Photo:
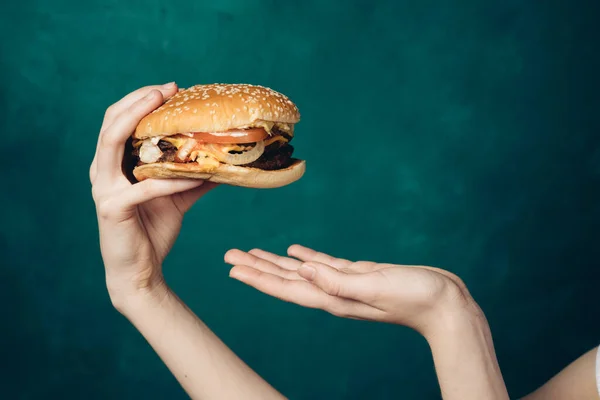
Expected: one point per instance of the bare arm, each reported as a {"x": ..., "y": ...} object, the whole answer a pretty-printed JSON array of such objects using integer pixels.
[
  {"x": 577, "y": 381},
  {"x": 204, "y": 366},
  {"x": 464, "y": 356},
  {"x": 430, "y": 300},
  {"x": 138, "y": 225}
]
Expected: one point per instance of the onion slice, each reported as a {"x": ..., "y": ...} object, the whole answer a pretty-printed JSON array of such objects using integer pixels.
[
  {"x": 184, "y": 151},
  {"x": 149, "y": 152},
  {"x": 237, "y": 159}
]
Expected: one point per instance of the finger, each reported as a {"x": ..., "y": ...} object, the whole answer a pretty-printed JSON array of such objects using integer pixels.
[
  {"x": 307, "y": 255},
  {"x": 336, "y": 283},
  {"x": 150, "y": 189},
  {"x": 117, "y": 108},
  {"x": 185, "y": 200},
  {"x": 112, "y": 141},
  {"x": 283, "y": 262},
  {"x": 303, "y": 293},
  {"x": 238, "y": 257}
]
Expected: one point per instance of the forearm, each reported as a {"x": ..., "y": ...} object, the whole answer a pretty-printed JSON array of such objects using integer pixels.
[
  {"x": 204, "y": 366},
  {"x": 464, "y": 356},
  {"x": 576, "y": 381}
]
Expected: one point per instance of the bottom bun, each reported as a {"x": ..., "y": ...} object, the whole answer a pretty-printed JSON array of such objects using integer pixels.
[{"x": 227, "y": 174}]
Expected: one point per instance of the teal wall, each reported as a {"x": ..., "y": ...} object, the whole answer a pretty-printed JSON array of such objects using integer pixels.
[{"x": 464, "y": 137}]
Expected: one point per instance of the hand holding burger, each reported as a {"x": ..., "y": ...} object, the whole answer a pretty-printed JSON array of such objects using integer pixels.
[
  {"x": 139, "y": 223},
  {"x": 184, "y": 143}
]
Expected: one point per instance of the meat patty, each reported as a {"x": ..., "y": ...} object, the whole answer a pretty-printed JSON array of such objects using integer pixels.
[
  {"x": 169, "y": 151},
  {"x": 275, "y": 157}
]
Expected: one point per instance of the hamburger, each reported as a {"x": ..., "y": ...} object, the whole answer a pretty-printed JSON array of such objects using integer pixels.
[{"x": 234, "y": 134}]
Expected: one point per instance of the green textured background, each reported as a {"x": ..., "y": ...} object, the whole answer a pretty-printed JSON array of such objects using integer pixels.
[{"x": 457, "y": 134}]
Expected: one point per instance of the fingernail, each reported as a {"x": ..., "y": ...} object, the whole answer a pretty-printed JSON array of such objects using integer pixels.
[
  {"x": 168, "y": 85},
  {"x": 307, "y": 271}
]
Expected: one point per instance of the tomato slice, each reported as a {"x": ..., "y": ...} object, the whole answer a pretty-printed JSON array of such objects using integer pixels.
[{"x": 232, "y": 136}]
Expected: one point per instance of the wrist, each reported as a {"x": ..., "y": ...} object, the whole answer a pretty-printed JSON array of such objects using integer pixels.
[
  {"x": 129, "y": 294},
  {"x": 464, "y": 356},
  {"x": 455, "y": 313},
  {"x": 457, "y": 319}
]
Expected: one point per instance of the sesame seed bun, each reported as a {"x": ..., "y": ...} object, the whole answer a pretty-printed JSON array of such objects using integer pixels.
[
  {"x": 217, "y": 108},
  {"x": 225, "y": 174}
]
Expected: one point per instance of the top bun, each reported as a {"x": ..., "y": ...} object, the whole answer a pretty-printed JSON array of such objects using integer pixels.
[{"x": 217, "y": 108}]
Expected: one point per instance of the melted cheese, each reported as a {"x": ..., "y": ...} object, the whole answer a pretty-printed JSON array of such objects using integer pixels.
[
  {"x": 274, "y": 139},
  {"x": 208, "y": 164},
  {"x": 226, "y": 147},
  {"x": 205, "y": 159}
]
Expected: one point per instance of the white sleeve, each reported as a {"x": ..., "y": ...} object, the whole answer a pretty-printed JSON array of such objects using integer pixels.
[{"x": 598, "y": 369}]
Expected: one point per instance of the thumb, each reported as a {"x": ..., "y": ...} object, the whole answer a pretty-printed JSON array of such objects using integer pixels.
[{"x": 334, "y": 282}]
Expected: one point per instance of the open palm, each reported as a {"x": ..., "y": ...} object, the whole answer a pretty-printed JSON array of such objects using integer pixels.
[{"x": 361, "y": 290}]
